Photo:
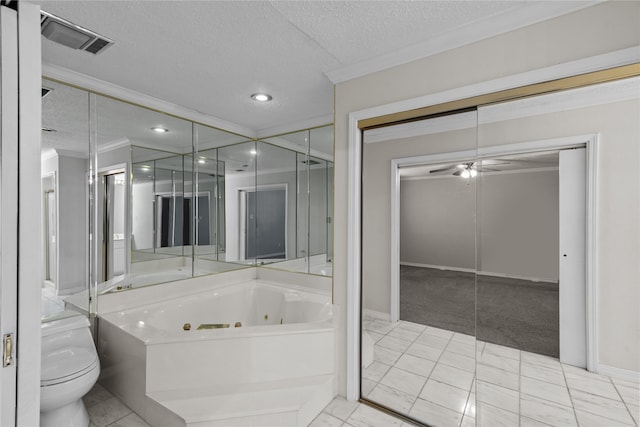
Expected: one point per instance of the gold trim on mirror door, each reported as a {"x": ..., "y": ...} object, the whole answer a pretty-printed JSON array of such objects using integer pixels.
[{"x": 565, "y": 83}]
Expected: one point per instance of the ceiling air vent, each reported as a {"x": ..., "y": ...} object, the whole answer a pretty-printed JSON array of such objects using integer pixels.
[{"x": 71, "y": 35}]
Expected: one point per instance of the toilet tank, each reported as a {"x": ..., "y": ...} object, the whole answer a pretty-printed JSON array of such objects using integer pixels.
[{"x": 67, "y": 331}]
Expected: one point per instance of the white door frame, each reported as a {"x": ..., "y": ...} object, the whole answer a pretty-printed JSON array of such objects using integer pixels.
[
  {"x": 588, "y": 141},
  {"x": 9, "y": 210}
]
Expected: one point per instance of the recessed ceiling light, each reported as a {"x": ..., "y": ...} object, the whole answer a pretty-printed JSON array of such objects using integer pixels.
[
  {"x": 202, "y": 161},
  {"x": 159, "y": 129},
  {"x": 261, "y": 97},
  {"x": 253, "y": 152}
]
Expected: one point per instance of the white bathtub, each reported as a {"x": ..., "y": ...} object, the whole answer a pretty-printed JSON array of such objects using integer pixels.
[{"x": 287, "y": 333}]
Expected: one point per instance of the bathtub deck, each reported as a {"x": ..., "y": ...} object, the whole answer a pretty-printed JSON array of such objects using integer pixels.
[{"x": 283, "y": 403}]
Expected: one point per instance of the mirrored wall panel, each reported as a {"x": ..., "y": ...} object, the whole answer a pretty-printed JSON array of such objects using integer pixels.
[
  {"x": 162, "y": 199},
  {"x": 65, "y": 199},
  {"x": 305, "y": 168}
]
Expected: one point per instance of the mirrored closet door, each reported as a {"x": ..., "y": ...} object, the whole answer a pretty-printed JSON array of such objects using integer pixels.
[
  {"x": 482, "y": 298},
  {"x": 419, "y": 269}
]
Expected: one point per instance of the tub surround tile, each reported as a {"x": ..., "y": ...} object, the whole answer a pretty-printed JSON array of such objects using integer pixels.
[
  {"x": 404, "y": 381},
  {"x": 341, "y": 408},
  {"x": 543, "y": 390},
  {"x": 453, "y": 376},
  {"x": 445, "y": 395},
  {"x": 434, "y": 414}
]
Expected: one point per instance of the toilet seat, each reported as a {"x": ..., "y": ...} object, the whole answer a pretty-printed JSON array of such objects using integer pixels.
[{"x": 67, "y": 364}]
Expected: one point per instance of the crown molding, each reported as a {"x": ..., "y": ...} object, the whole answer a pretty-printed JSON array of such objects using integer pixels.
[
  {"x": 313, "y": 122},
  {"x": 529, "y": 14},
  {"x": 93, "y": 84}
]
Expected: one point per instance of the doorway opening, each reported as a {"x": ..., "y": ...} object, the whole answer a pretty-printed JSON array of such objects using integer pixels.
[{"x": 264, "y": 218}]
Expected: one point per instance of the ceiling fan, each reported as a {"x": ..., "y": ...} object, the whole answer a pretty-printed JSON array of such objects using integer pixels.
[{"x": 465, "y": 169}]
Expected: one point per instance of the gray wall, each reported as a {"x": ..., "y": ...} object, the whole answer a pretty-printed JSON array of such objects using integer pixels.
[{"x": 517, "y": 220}]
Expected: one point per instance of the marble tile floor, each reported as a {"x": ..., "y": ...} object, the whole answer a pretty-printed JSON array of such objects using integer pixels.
[{"x": 431, "y": 374}]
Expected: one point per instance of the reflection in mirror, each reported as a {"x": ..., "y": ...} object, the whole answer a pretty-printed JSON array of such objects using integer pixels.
[
  {"x": 65, "y": 209},
  {"x": 210, "y": 173},
  {"x": 239, "y": 165},
  {"x": 310, "y": 172},
  {"x": 418, "y": 276}
]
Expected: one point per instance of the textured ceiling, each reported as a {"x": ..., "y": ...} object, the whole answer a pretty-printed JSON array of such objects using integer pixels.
[{"x": 211, "y": 56}]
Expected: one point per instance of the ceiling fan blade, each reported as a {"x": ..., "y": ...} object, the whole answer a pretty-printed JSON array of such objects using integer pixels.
[
  {"x": 447, "y": 169},
  {"x": 458, "y": 172}
]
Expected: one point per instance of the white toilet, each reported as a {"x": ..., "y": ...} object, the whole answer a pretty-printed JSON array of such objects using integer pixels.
[{"x": 70, "y": 368}]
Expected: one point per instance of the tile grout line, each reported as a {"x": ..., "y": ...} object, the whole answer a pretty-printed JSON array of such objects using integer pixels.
[{"x": 573, "y": 406}]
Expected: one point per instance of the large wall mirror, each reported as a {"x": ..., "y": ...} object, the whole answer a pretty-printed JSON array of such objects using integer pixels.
[
  {"x": 168, "y": 199},
  {"x": 478, "y": 299}
]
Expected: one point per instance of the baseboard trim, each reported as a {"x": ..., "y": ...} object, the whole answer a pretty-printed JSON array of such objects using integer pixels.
[
  {"x": 480, "y": 273},
  {"x": 438, "y": 267},
  {"x": 619, "y": 373},
  {"x": 377, "y": 314}
]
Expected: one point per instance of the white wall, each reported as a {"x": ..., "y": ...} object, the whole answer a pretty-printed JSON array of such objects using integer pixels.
[
  {"x": 516, "y": 216},
  {"x": 603, "y": 28}
]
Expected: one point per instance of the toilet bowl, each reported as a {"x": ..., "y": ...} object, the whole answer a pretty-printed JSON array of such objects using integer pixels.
[{"x": 70, "y": 368}]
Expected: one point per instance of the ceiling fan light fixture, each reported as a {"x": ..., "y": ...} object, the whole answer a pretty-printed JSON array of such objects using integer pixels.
[
  {"x": 466, "y": 173},
  {"x": 261, "y": 97}
]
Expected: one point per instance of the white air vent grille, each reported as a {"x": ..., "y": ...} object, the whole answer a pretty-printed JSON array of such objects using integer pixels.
[{"x": 71, "y": 35}]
